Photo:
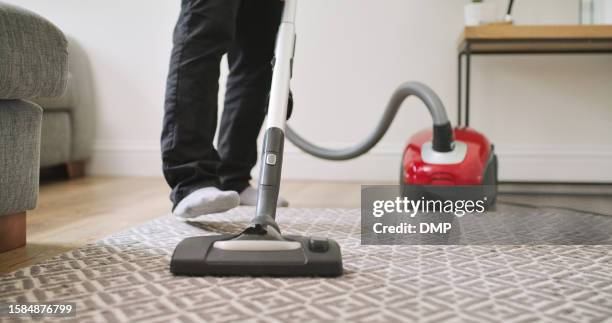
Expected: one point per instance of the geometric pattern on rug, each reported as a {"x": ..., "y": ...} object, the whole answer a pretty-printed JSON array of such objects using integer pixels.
[{"x": 125, "y": 278}]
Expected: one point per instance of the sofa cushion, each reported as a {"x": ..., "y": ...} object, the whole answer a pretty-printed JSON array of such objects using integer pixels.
[
  {"x": 33, "y": 55},
  {"x": 55, "y": 138},
  {"x": 20, "y": 123}
]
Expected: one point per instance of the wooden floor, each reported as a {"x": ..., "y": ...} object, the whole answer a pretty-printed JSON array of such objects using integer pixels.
[{"x": 73, "y": 213}]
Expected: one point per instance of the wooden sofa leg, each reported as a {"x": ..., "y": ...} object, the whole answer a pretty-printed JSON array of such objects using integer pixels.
[
  {"x": 75, "y": 169},
  {"x": 12, "y": 231}
]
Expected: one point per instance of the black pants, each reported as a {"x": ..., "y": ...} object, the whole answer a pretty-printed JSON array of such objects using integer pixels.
[{"x": 206, "y": 30}]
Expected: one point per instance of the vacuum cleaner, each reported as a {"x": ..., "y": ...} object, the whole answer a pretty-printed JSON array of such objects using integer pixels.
[{"x": 435, "y": 157}]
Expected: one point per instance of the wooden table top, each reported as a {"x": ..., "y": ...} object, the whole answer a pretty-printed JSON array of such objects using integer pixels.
[{"x": 510, "y": 38}]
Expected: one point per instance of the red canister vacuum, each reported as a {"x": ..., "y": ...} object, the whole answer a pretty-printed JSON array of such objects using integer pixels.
[{"x": 469, "y": 173}]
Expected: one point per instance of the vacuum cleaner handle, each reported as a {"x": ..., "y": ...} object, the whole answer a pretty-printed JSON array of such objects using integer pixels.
[{"x": 272, "y": 152}]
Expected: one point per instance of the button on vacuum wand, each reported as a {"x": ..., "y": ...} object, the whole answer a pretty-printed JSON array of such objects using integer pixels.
[{"x": 271, "y": 159}]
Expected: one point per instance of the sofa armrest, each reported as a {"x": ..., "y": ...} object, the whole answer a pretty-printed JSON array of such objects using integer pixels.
[
  {"x": 33, "y": 55},
  {"x": 20, "y": 123}
]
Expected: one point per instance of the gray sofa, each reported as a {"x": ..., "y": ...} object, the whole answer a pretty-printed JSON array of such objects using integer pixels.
[{"x": 33, "y": 64}]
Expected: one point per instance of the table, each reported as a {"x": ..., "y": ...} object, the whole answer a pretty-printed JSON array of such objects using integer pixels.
[{"x": 508, "y": 39}]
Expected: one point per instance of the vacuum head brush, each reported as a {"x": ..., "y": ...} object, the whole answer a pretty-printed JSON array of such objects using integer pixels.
[{"x": 251, "y": 255}]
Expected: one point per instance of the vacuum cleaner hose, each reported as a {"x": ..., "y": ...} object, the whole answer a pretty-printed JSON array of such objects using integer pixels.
[{"x": 442, "y": 133}]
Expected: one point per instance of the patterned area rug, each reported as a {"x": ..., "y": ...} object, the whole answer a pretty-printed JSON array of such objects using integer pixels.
[{"x": 125, "y": 278}]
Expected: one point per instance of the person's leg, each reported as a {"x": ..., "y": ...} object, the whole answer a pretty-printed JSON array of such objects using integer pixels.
[
  {"x": 204, "y": 32},
  {"x": 248, "y": 85}
]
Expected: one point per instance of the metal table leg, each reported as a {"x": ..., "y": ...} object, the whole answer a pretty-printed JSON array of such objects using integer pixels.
[
  {"x": 459, "y": 86},
  {"x": 468, "y": 58}
]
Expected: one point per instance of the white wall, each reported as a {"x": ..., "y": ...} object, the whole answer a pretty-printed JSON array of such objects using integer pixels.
[
  {"x": 605, "y": 11},
  {"x": 597, "y": 11},
  {"x": 549, "y": 116}
]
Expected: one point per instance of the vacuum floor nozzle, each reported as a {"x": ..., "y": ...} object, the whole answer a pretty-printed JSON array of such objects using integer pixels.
[{"x": 223, "y": 255}]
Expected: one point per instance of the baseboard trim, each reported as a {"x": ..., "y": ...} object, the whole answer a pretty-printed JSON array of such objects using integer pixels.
[{"x": 531, "y": 163}]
